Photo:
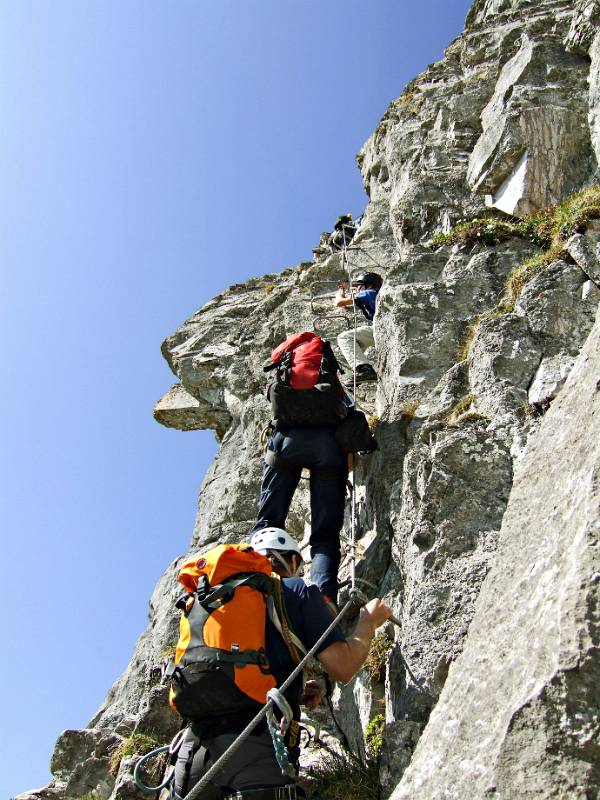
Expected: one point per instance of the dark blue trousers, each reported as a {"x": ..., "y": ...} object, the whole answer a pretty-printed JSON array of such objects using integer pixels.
[{"x": 316, "y": 449}]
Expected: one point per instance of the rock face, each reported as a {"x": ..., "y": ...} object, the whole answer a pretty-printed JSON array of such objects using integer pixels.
[
  {"x": 519, "y": 714},
  {"x": 480, "y": 511}
]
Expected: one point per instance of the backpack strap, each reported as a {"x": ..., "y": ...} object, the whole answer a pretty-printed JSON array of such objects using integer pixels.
[
  {"x": 216, "y": 597},
  {"x": 279, "y": 617}
]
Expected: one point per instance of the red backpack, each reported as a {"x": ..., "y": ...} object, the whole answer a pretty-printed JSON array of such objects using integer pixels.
[{"x": 305, "y": 389}]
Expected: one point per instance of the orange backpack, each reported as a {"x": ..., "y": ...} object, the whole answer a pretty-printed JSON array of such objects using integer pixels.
[{"x": 221, "y": 667}]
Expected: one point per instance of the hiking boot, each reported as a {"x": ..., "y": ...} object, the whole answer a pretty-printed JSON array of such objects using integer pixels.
[{"x": 364, "y": 374}]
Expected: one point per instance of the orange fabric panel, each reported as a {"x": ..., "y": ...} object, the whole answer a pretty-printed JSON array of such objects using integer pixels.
[
  {"x": 249, "y": 605},
  {"x": 184, "y": 638},
  {"x": 220, "y": 563}
]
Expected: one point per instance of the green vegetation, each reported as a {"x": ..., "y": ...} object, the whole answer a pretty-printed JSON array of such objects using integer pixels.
[
  {"x": 462, "y": 413},
  {"x": 521, "y": 275},
  {"x": 374, "y": 736},
  {"x": 472, "y": 417},
  {"x": 549, "y": 229},
  {"x": 377, "y": 659},
  {"x": 467, "y": 340},
  {"x": 341, "y": 776},
  {"x": 138, "y": 744}
]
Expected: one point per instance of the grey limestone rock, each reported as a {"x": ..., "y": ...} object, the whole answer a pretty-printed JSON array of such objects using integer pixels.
[
  {"x": 178, "y": 409},
  {"x": 585, "y": 251},
  {"x": 519, "y": 713}
]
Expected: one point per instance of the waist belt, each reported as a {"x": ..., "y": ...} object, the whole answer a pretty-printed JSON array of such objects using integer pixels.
[{"x": 289, "y": 792}]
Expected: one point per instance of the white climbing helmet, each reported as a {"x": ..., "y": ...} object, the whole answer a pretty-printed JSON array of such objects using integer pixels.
[{"x": 274, "y": 539}]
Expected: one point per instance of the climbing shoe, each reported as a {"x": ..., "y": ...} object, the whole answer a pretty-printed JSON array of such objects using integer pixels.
[{"x": 364, "y": 374}]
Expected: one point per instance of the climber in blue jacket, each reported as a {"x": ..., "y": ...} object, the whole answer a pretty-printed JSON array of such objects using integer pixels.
[{"x": 367, "y": 287}]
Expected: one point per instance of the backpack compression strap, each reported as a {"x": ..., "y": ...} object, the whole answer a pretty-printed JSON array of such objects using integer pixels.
[{"x": 279, "y": 617}]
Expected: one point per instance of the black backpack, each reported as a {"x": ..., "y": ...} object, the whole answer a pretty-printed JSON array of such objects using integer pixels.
[{"x": 353, "y": 434}]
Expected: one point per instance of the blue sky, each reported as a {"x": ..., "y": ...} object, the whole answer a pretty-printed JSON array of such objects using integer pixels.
[{"x": 151, "y": 154}]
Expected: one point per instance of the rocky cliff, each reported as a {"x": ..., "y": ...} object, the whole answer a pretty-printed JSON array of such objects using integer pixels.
[{"x": 479, "y": 515}]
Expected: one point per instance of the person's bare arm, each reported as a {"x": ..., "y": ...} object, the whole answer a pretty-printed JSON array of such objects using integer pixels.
[
  {"x": 341, "y": 299},
  {"x": 342, "y": 660}
]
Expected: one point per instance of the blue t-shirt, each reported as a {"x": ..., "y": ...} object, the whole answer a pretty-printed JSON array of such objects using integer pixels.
[
  {"x": 309, "y": 617},
  {"x": 366, "y": 301}
]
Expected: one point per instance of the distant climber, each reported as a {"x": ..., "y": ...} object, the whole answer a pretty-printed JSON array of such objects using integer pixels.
[
  {"x": 254, "y": 772},
  {"x": 365, "y": 298},
  {"x": 343, "y": 232}
]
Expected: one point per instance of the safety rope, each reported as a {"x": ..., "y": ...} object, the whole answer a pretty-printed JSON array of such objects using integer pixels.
[
  {"x": 195, "y": 792},
  {"x": 346, "y": 266}
]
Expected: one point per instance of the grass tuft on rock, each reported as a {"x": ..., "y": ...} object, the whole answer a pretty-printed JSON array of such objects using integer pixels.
[
  {"x": 139, "y": 744},
  {"x": 345, "y": 775},
  {"x": 374, "y": 736},
  {"x": 459, "y": 408},
  {"x": 410, "y": 409},
  {"x": 521, "y": 275},
  {"x": 168, "y": 651},
  {"x": 377, "y": 658}
]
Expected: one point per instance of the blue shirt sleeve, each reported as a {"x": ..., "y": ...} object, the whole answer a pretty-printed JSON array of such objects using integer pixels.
[
  {"x": 366, "y": 300},
  {"x": 309, "y": 616}
]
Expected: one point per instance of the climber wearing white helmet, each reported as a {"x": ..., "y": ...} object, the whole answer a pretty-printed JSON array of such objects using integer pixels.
[
  {"x": 255, "y": 773},
  {"x": 275, "y": 542}
]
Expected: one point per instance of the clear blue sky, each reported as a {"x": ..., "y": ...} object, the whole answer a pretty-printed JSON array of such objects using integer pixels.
[{"x": 151, "y": 154}]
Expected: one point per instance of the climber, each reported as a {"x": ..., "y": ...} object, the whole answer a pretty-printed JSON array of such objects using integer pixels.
[
  {"x": 344, "y": 230},
  {"x": 365, "y": 298},
  {"x": 254, "y": 772},
  {"x": 314, "y": 425}
]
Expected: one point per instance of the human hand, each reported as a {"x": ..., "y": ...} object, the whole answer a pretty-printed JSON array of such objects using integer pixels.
[
  {"x": 314, "y": 691},
  {"x": 375, "y": 612}
]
